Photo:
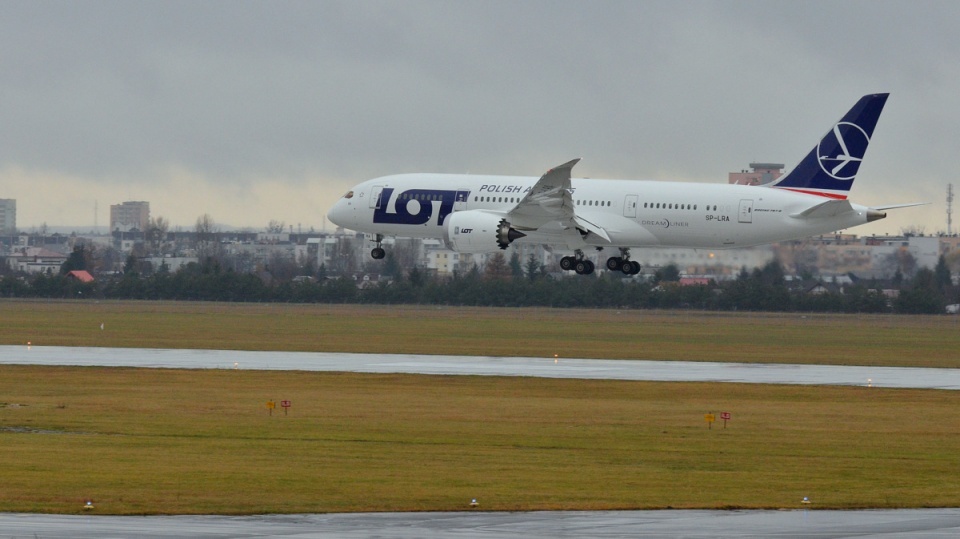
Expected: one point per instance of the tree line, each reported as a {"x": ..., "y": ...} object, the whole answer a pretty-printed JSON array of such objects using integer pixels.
[{"x": 500, "y": 283}]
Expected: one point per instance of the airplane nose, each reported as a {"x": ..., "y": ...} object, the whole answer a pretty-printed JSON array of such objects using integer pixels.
[{"x": 341, "y": 212}]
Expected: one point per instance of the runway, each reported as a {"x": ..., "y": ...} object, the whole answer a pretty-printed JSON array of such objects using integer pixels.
[
  {"x": 598, "y": 369},
  {"x": 920, "y": 523},
  {"x": 924, "y": 523}
]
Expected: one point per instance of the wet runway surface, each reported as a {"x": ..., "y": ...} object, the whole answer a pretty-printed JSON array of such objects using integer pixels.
[
  {"x": 674, "y": 371},
  {"x": 922, "y": 523},
  {"x": 926, "y": 523}
]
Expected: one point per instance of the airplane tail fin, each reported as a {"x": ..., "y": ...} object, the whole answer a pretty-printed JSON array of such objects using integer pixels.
[{"x": 831, "y": 166}]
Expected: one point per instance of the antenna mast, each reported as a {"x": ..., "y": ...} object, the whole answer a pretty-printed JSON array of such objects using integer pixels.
[{"x": 949, "y": 209}]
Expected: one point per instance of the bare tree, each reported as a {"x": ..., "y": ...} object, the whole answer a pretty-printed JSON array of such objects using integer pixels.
[
  {"x": 207, "y": 243},
  {"x": 156, "y": 234},
  {"x": 344, "y": 262},
  {"x": 405, "y": 253},
  {"x": 901, "y": 261},
  {"x": 282, "y": 266},
  {"x": 108, "y": 260},
  {"x": 275, "y": 227}
]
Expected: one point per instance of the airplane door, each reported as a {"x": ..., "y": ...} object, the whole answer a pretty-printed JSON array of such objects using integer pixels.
[
  {"x": 746, "y": 211},
  {"x": 460, "y": 199},
  {"x": 375, "y": 193},
  {"x": 630, "y": 206}
]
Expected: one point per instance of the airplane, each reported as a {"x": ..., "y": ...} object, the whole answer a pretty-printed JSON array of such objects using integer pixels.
[{"x": 484, "y": 214}]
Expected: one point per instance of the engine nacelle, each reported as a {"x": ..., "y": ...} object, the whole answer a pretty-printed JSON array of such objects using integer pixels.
[{"x": 478, "y": 231}]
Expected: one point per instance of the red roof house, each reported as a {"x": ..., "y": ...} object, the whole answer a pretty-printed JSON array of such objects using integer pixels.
[{"x": 81, "y": 275}]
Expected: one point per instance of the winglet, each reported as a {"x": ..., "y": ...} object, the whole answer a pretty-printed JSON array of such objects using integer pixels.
[{"x": 556, "y": 177}]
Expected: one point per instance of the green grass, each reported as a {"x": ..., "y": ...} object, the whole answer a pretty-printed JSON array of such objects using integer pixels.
[
  {"x": 883, "y": 340},
  {"x": 144, "y": 441},
  {"x": 171, "y": 441}
]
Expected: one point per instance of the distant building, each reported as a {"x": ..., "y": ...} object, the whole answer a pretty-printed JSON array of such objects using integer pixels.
[
  {"x": 759, "y": 174},
  {"x": 443, "y": 261},
  {"x": 129, "y": 216},
  {"x": 81, "y": 276},
  {"x": 35, "y": 260},
  {"x": 8, "y": 216}
]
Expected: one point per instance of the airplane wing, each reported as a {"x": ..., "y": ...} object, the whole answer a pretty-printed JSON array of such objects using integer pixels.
[{"x": 549, "y": 201}]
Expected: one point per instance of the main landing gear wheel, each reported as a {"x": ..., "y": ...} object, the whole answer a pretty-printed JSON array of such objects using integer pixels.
[
  {"x": 377, "y": 253},
  {"x": 623, "y": 263},
  {"x": 577, "y": 263}
]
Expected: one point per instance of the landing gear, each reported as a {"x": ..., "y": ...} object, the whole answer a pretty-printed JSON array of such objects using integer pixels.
[
  {"x": 584, "y": 266},
  {"x": 623, "y": 263},
  {"x": 577, "y": 263},
  {"x": 378, "y": 253}
]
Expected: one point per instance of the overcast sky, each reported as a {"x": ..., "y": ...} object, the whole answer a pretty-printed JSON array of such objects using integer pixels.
[{"x": 259, "y": 111}]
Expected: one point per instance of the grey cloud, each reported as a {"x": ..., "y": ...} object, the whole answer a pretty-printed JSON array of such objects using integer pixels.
[{"x": 238, "y": 91}]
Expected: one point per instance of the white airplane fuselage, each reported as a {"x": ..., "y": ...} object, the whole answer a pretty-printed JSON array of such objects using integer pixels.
[
  {"x": 477, "y": 214},
  {"x": 633, "y": 213}
]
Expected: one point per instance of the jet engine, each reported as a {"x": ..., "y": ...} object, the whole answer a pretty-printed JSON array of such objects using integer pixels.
[{"x": 478, "y": 231}]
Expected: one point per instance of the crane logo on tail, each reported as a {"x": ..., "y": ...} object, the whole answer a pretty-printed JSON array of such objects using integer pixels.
[{"x": 841, "y": 151}]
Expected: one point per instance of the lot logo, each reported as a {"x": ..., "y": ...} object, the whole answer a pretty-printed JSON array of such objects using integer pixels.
[
  {"x": 415, "y": 206},
  {"x": 841, "y": 151}
]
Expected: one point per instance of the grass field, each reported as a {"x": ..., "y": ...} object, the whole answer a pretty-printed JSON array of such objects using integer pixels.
[
  {"x": 166, "y": 441},
  {"x": 888, "y": 340},
  {"x": 145, "y": 441}
]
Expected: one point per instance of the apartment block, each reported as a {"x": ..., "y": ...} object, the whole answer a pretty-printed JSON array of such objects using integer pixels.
[{"x": 129, "y": 216}]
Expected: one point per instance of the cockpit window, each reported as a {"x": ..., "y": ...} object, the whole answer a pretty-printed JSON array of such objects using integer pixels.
[{"x": 348, "y": 195}]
